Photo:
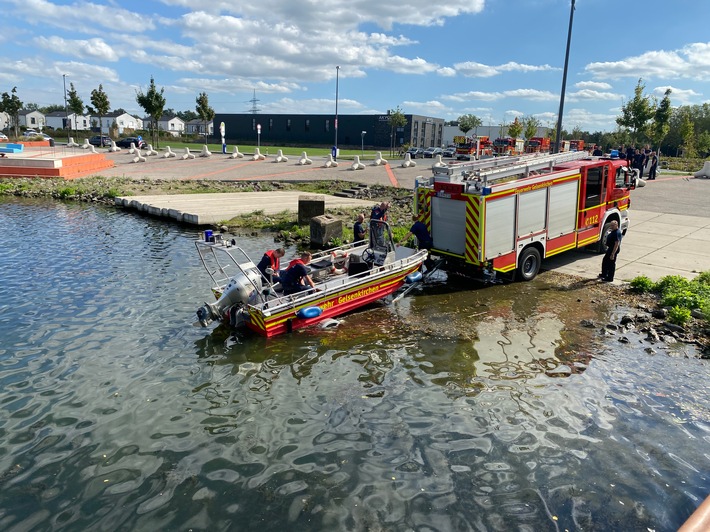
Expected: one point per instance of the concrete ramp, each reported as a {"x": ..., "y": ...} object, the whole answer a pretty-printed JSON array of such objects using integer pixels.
[{"x": 206, "y": 209}]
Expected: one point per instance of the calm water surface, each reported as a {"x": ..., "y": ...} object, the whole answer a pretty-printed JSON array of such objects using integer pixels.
[{"x": 442, "y": 412}]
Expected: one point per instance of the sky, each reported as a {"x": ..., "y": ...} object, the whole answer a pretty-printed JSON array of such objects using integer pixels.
[{"x": 496, "y": 59}]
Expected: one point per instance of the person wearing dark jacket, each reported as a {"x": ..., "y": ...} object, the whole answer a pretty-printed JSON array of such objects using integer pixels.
[
  {"x": 269, "y": 264},
  {"x": 359, "y": 229},
  {"x": 613, "y": 244},
  {"x": 654, "y": 165},
  {"x": 296, "y": 279}
]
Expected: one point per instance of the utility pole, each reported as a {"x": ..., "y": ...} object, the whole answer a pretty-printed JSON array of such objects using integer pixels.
[
  {"x": 66, "y": 112},
  {"x": 337, "y": 72},
  {"x": 564, "y": 81}
]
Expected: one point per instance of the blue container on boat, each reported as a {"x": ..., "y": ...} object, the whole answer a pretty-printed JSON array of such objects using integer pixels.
[{"x": 208, "y": 235}]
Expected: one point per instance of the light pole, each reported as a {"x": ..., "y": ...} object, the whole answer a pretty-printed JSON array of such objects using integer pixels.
[
  {"x": 337, "y": 75},
  {"x": 66, "y": 113},
  {"x": 362, "y": 135},
  {"x": 564, "y": 82}
]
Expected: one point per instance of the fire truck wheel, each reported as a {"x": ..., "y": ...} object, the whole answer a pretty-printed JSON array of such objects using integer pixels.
[
  {"x": 528, "y": 264},
  {"x": 600, "y": 247}
]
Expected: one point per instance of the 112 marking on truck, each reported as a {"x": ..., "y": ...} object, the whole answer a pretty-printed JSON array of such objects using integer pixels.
[{"x": 506, "y": 214}]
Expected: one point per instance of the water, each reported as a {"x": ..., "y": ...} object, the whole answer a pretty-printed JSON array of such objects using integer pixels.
[{"x": 453, "y": 409}]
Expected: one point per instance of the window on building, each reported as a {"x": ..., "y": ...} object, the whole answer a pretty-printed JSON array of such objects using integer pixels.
[
  {"x": 271, "y": 124},
  {"x": 288, "y": 125},
  {"x": 327, "y": 126},
  {"x": 308, "y": 125},
  {"x": 32, "y": 120},
  {"x": 253, "y": 124}
]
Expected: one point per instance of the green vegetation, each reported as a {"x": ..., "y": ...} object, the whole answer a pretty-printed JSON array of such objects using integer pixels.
[{"x": 679, "y": 293}]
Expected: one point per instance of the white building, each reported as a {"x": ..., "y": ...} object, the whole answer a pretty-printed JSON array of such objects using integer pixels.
[
  {"x": 59, "y": 120},
  {"x": 4, "y": 120},
  {"x": 197, "y": 127},
  {"x": 123, "y": 121},
  {"x": 172, "y": 124},
  {"x": 31, "y": 119}
]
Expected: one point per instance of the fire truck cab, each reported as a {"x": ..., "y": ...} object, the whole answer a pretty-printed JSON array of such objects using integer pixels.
[
  {"x": 505, "y": 215},
  {"x": 538, "y": 145}
]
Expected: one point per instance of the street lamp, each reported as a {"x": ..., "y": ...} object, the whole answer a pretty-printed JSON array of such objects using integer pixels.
[
  {"x": 564, "y": 82},
  {"x": 337, "y": 72},
  {"x": 362, "y": 135},
  {"x": 66, "y": 113}
]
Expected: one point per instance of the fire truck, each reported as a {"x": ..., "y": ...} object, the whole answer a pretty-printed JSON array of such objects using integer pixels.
[
  {"x": 576, "y": 145},
  {"x": 509, "y": 146},
  {"x": 501, "y": 217},
  {"x": 472, "y": 148},
  {"x": 538, "y": 145}
]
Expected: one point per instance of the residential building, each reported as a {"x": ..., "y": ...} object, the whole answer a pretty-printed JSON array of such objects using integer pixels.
[
  {"x": 172, "y": 124},
  {"x": 60, "y": 120},
  {"x": 197, "y": 127},
  {"x": 5, "y": 120},
  {"x": 31, "y": 119},
  {"x": 124, "y": 122}
]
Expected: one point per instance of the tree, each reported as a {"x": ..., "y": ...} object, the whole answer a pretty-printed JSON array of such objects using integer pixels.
[
  {"x": 204, "y": 111},
  {"x": 636, "y": 113},
  {"x": 515, "y": 129},
  {"x": 530, "y": 125},
  {"x": 52, "y": 108},
  {"x": 661, "y": 120},
  {"x": 153, "y": 103},
  {"x": 703, "y": 144},
  {"x": 101, "y": 105},
  {"x": 469, "y": 122},
  {"x": 75, "y": 103},
  {"x": 395, "y": 119},
  {"x": 12, "y": 105},
  {"x": 31, "y": 106},
  {"x": 687, "y": 132},
  {"x": 187, "y": 116}
]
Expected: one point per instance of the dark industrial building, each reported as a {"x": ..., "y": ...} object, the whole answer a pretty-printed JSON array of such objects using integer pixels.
[{"x": 354, "y": 131}]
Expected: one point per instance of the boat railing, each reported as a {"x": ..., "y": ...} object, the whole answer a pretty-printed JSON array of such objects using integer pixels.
[{"x": 221, "y": 271}]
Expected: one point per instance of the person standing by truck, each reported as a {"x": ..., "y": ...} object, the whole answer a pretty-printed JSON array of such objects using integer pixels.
[
  {"x": 653, "y": 158},
  {"x": 613, "y": 244}
]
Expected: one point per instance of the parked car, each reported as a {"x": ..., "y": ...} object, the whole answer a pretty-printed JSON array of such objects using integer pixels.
[
  {"x": 30, "y": 133},
  {"x": 432, "y": 152},
  {"x": 126, "y": 143},
  {"x": 100, "y": 140},
  {"x": 3, "y": 137},
  {"x": 449, "y": 152},
  {"x": 415, "y": 152}
]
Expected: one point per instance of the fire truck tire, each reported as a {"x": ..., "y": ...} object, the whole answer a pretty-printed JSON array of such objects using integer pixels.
[
  {"x": 600, "y": 247},
  {"x": 528, "y": 264}
]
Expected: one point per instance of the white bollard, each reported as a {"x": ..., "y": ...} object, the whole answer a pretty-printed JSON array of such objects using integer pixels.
[
  {"x": 188, "y": 155},
  {"x": 113, "y": 147},
  {"x": 280, "y": 157},
  {"x": 205, "y": 151},
  {"x": 236, "y": 154},
  {"x": 407, "y": 163},
  {"x": 258, "y": 156},
  {"x": 138, "y": 158},
  {"x": 357, "y": 165},
  {"x": 330, "y": 162},
  {"x": 133, "y": 148},
  {"x": 86, "y": 145},
  {"x": 438, "y": 163},
  {"x": 704, "y": 171},
  {"x": 379, "y": 160},
  {"x": 169, "y": 153},
  {"x": 150, "y": 151},
  {"x": 304, "y": 159},
  {"x": 71, "y": 143}
]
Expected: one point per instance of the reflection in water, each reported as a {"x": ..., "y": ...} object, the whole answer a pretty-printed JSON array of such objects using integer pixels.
[{"x": 444, "y": 411}]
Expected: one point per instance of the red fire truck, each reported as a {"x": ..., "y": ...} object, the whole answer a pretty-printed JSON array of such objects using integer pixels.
[
  {"x": 576, "y": 145},
  {"x": 472, "y": 148},
  {"x": 509, "y": 146},
  {"x": 538, "y": 145},
  {"x": 503, "y": 216}
]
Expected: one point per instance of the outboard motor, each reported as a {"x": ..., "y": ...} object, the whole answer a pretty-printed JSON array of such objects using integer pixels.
[{"x": 242, "y": 289}]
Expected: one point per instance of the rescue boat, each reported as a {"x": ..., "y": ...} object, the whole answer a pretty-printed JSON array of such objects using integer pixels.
[{"x": 345, "y": 278}]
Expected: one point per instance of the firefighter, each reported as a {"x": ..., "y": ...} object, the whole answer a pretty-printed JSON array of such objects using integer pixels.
[
  {"x": 613, "y": 244},
  {"x": 296, "y": 279},
  {"x": 269, "y": 264}
]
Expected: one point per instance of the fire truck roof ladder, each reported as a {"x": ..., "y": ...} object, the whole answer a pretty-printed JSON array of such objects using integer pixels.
[{"x": 494, "y": 169}]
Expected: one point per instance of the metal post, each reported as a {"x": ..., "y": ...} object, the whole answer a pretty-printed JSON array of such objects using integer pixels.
[
  {"x": 564, "y": 81},
  {"x": 362, "y": 147},
  {"x": 66, "y": 112},
  {"x": 337, "y": 72}
]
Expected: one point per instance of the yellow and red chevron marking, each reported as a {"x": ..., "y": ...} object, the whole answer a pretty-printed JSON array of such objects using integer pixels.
[
  {"x": 424, "y": 208},
  {"x": 473, "y": 228}
]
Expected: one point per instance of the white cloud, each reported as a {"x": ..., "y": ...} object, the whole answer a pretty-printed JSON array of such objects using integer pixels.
[
  {"x": 93, "y": 49},
  {"x": 691, "y": 61},
  {"x": 594, "y": 85},
  {"x": 446, "y": 72},
  {"x": 678, "y": 96},
  {"x": 588, "y": 94},
  {"x": 430, "y": 108},
  {"x": 513, "y": 113},
  {"x": 532, "y": 94},
  {"x": 471, "y": 69}
]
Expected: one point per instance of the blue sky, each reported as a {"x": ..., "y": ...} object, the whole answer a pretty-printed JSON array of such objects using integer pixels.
[{"x": 497, "y": 59}]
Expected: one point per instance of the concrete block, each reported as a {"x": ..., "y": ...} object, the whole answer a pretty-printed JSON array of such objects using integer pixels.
[
  {"x": 324, "y": 228},
  {"x": 310, "y": 206}
]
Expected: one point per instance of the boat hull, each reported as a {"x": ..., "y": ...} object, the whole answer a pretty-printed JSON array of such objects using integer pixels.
[{"x": 332, "y": 304}]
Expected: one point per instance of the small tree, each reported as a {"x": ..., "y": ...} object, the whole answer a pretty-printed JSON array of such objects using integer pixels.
[
  {"x": 661, "y": 120},
  {"x": 75, "y": 103},
  {"x": 469, "y": 122},
  {"x": 395, "y": 119},
  {"x": 101, "y": 105},
  {"x": 12, "y": 105},
  {"x": 153, "y": 103},
  {"x": 515, "y": 129},
  {"x": 636, "y": 113},
  {"x": 687, "y": 133},
  {"x": 204, "y": 111},
  {"x": 530, "y": 125}
]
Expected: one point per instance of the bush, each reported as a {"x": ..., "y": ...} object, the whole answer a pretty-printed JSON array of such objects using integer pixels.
[
  {"x": 671, "y": 283},
  {"x": 679, "y": 315},
  {"x": 642, "y": 284}
]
